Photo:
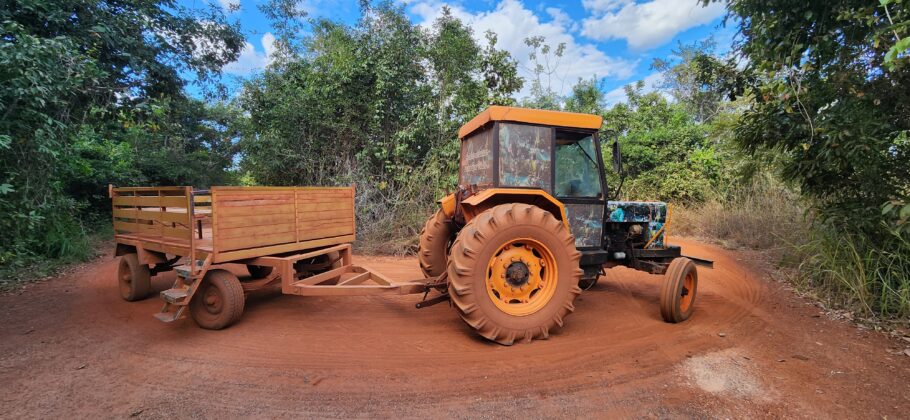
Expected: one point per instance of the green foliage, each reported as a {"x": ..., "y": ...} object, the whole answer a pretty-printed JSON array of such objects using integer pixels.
[
  {"x": 91, "y": 94},
  {"x": 667, "y": 154},
  {"x": 826, "y": 101},
  {"x": 377, "y": 104}
]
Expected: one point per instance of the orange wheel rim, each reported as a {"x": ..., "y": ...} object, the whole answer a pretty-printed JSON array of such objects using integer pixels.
[
  {"x": 687, "y": 292},
  {"x": 521, "y": 277}
]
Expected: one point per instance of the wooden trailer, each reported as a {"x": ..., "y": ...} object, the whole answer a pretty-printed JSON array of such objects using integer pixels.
[{"x": 299, "y": 237}]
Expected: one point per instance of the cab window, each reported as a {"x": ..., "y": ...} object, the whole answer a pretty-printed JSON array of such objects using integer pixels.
[{"x": 577, "y": 173}]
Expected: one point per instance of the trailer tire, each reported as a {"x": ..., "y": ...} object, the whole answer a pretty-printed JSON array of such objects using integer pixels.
[
  {"x": 133, "y": 279},
  {"x": 433, "y": 248},
  {"x": 513, "y": 273},
  {"x": 219, "y": 301},
  {"x": 258, "y": 271},
  {"x": 677, "y": 295}
]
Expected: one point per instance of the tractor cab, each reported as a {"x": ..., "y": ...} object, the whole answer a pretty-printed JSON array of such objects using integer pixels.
[{"x": 556, "y": 152}]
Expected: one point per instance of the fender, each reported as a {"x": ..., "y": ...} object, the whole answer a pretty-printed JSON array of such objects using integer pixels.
[{"x": 489, "y": 198}]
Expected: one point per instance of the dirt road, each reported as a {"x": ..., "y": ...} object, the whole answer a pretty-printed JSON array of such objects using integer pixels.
[{"x": 69, "y": 347}]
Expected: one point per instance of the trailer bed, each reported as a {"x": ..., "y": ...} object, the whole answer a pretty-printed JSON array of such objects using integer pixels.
[{"x": 232, "y": 223}]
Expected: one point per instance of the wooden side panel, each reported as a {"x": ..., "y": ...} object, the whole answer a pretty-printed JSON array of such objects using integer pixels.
[
  {"x": 325, "y": 213},
  {"x": 156, "y": 213},
  {"x": 252, "y": 217}
]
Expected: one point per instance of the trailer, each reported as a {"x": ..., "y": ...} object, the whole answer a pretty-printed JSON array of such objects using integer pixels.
[{"x": 298, "y": 237}]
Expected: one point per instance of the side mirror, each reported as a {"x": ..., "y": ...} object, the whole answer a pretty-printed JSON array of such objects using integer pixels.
[{"x": 617, "y": 158}]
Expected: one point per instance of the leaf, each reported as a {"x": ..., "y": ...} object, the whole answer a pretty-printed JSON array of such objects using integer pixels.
[
  {"x": 896, "y": 49},
  {"x": 6, "y": 189}
]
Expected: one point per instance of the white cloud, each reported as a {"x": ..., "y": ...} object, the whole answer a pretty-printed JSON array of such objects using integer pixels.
[
  {"x": 251, "y": 60},
  {"x": 229, "y": 5},
  {"x": 513, "y": 22},
  {"x": 646, "y": 25},
  {"x": 652, "y": 83}
]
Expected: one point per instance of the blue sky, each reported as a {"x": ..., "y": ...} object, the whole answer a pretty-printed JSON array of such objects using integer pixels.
[{"x": 615, "y": 40}]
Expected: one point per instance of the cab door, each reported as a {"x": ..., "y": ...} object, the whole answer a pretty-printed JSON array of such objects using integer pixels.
[{"x": 578, "y": 184}]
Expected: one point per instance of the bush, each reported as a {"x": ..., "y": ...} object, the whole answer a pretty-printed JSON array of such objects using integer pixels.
[{"x": 762, "y": 214}]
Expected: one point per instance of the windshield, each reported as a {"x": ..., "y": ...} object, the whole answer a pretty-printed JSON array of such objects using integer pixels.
[{"x": 577, "y": 173}]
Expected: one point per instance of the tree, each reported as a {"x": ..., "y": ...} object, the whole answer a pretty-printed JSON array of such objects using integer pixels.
[
  {"x": 74, "y": 77},
  {"x": 832, "y": 95}
]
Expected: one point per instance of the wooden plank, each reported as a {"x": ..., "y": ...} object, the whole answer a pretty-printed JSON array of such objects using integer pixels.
[
  {"x": 222, "y": 212},
  {"x": 254, "y": 231},
  {"x": 136, "y": 227},
  {"x": 229, "y": 244},
  {"x": 160, "y": 216},
  {"x": 225, "y": 256},
  {"x": 255, "y": 220},
  {"x": 245, "y": 197},
  {"x": 255, "y": 203},
  {"x": 326, "y": 232},
  {"x": 247, "y": 189},
  {"x": 151, "y": 201},
  {"x": 182, "y": 233},
  {"x": 199, "y": 199},
  {"x": 306, "y": 207},
  {"x": 324, "y": 215},
  {"x": 133, "y": 189},
  {"x": 325, "y": 223}
]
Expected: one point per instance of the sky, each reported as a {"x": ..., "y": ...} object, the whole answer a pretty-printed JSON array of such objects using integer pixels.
[{"x": 613, "y": 40}]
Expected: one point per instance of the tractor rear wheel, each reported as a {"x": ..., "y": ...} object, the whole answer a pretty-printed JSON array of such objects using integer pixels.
[
  {"x": 219, "y": 301},
  {"x": 133, "y": 279},
  {"x": 677, "y": 296},
  {"x": 513, "y": 273},
  {"x": 435, "y": 239}
]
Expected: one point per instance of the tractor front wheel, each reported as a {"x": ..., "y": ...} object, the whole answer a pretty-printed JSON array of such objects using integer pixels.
[
  {"x": 513, "y": 273},
  {"x": 433, "y": 250},
  {"x": 677, "y": 296}
]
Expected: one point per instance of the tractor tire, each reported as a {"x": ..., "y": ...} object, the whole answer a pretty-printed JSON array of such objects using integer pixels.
[
  {"x": 219, "y": 301},
  {"x": 513, "y": 273},
  {"x": 677, "y": 296},
  {"x": 258, "y": 271},
  {"x": 435, "y": 239},
  {"x": 133, "y": 279}
]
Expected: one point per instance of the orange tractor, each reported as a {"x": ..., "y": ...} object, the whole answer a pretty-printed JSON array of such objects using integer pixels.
[{"x": 531, "y": 225}]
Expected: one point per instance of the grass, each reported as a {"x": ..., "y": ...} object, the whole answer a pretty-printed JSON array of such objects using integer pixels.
[
  {"x": 73, "y": 249},
  {"x": 869, "y": 278},
  {"x": 762, "y": 215}
]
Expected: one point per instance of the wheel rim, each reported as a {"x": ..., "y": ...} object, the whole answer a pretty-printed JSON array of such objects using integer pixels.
[
  {"x": 212, "y": 300},
  {"x": 125, "y": 276},
  {"x": 687, "y": 292},
  {"x": 521, "y": 277}
]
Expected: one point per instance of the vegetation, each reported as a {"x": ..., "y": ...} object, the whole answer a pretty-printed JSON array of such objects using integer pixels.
[{"x": 796, "y": 142}]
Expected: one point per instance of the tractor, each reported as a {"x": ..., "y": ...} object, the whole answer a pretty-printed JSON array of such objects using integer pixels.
[{"x": 532, "y": 224}]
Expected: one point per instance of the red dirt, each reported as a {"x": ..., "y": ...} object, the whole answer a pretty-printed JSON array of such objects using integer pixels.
[{"x": 69, "y": 347}]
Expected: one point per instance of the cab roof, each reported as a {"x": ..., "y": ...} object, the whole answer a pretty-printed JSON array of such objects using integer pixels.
[{"x": 531, "y": 116}]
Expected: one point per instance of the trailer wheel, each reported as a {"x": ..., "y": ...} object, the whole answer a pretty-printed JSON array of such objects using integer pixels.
[
  {"x": 433, "y": 248},
  {"x": 677, "y": 296},
  {"x": 133, "y": 279},
  {"x": 219, "y": 301},
  {"x": 258, "y": 271},
  {"x": 513, "y": 273}
]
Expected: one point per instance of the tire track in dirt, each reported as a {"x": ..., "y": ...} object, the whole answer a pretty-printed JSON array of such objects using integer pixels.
[{"x": 338, "y": 357}]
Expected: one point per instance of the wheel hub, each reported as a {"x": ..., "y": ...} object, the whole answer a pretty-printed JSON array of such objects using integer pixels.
[{"x": 517, "y": 274}]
